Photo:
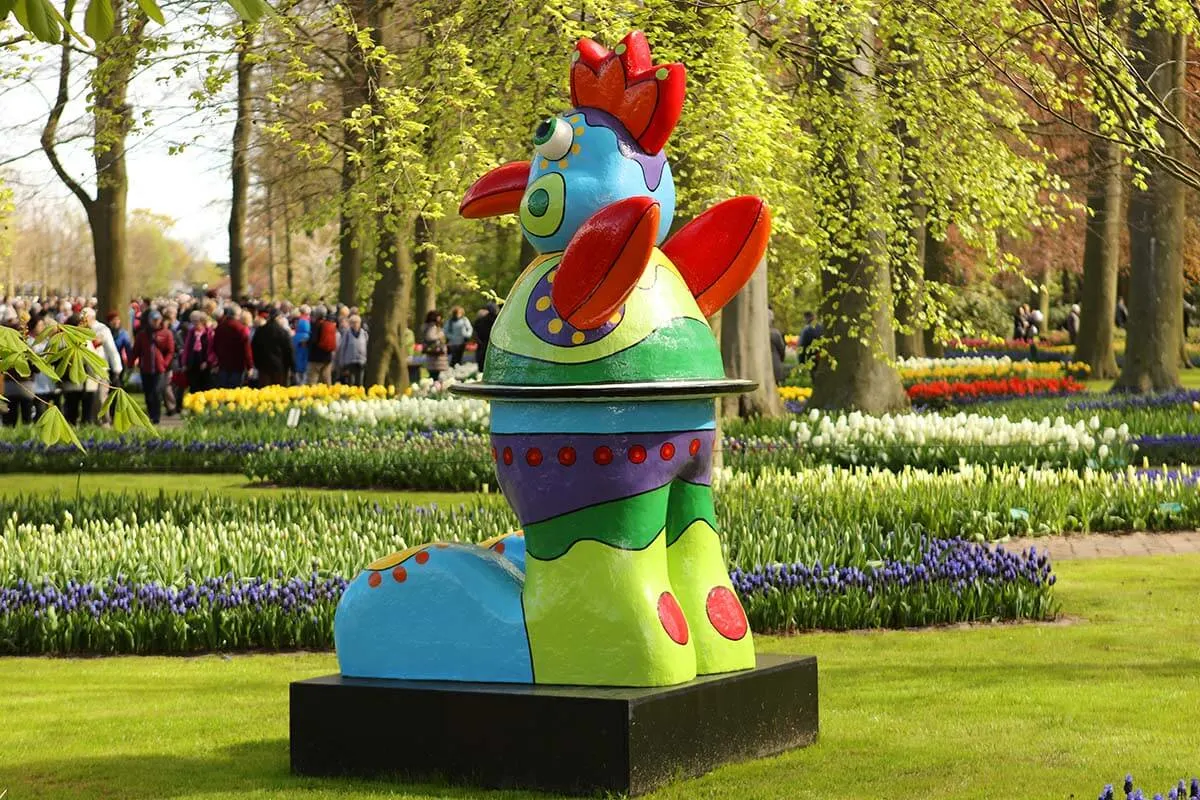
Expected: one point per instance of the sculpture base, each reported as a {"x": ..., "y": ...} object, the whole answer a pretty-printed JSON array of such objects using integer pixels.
[{"x": 567, "y": 739}]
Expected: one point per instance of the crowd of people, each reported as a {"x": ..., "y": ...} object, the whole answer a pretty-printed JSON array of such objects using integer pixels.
[{"x": 167, "y": 347}]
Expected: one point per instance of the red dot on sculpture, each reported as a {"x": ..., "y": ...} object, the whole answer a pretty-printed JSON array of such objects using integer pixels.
[
  {"x": 725, "y": 613},
  {"x": 421, "y": 557},
  {"x": 508, "y": 455},
  {"x": 672, "y": 619},
  {"x": 566, "y": 456},
  {"x": 694, "y": 447},
  {"x": 637, "y": 454},
  {"x": 603, "y": 455},
  {"x": 667, "y": 451},
  {"x": 493, "y": 454},
  {"x": 498, "y": 547},
  {"x": 374, "y": 580},
  {"x": 400, "y": 574},
  {"x": 533, "y": 456}
]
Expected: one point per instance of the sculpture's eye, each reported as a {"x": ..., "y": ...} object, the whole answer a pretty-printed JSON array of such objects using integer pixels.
[{"x": 553, "y": 137}]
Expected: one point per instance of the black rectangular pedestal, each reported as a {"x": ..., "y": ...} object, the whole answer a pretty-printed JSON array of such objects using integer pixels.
[{"x": 570, "y": 739}]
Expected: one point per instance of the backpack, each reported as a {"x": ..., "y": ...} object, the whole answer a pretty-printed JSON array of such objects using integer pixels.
[{"x": 326, "y": 336}]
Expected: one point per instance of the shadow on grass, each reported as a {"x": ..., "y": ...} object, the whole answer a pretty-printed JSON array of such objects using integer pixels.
[{"x": 248, "y": 767}]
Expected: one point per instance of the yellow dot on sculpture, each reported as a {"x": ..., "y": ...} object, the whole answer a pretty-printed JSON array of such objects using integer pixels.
[
  {"x": 577, "y": 337},
  {"x": 575, "y": 149},
  {"x": 562, "y": 164},
  {"x": 555, "y": 325},
  {"x": 579, "y": 131},
  {"x": 550, "y": 276},
  {"x": 542, "y": 303},
  {"x": 575, "y": 120},
  {"x": 544, "y": 164},
  {"x": 615, "y": 318}
]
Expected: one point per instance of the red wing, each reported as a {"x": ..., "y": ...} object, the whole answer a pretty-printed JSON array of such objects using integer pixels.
[
  {"x": 719, "y": 250},
  {"x": 603, "y": 261}
]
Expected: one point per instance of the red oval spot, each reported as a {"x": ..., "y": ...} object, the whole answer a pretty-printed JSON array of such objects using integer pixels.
[
  {"x": 493, "y": 454},
  {"x": 533, "y": 457},
  {"x": 694, "y": 447},
  {"x": 508, "y": 455},
  {"x": 400, "y": 574},
  {"x": 603, "y": 455},
  {"x": 667, "y": 451},
  {"x": 566, "y": 456},
  {"x": 498, "y": 547},
  {"x": 637, "y": 454},
  {"x": 672, "y": 619},
  {"x": 421, "y": 557},
  {"x": 374, "y": 580},
  {"x": 725, "y": 613}
]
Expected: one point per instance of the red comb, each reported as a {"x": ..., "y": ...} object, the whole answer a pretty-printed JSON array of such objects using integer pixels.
[{"x": 645, "y": 97}]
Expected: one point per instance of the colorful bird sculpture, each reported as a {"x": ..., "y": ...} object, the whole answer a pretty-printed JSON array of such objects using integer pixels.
[{"x": 601, "y": 372}]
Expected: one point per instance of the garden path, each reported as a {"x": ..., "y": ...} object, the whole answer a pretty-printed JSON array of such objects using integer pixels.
[{"x": 1108, "y": 545}]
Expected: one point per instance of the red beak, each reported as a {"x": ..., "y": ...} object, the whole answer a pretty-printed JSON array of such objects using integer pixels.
[{"x": 498, "y": 192}]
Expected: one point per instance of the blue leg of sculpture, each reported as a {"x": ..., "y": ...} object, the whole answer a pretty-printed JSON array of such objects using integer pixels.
[{"x": 437, "y": 612}]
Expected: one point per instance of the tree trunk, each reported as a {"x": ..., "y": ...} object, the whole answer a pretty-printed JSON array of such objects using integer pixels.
[
  {"x": 106, "y": 217},
  {"x": 1044, "y": 297},
  {"x": 1155, "y": 219},
  {"x": 287, "y": 245},
  {"x": 910, "y": 288},
  {"x": 746, "y": 348},
  {"x": 425, "y": 278},
  {"x": 116, "y": 58},
  {"x": 908, "y": 276},
  {"x": 355, "y": 94},
  {"x": 856, "y": 306},
  {"x": 241, "y": 166},
  {"x": 389, "y": 310},
  {"x": 271, "y": 239},
  {"x": 937, "y": 269},
  {"x": 1101, "y": 257},
  {"x": 1179, "y": 107}
]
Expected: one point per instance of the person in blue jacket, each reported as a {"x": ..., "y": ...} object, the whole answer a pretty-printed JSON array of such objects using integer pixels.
[{"x": 300, "y": 337}]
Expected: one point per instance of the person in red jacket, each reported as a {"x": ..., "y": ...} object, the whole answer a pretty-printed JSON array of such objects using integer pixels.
[
  {"x": 231, "y": 344},
  {"x": 153, "y": 349}
]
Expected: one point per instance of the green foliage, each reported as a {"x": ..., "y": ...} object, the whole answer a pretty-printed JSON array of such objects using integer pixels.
[
  {"x": 68, "y": 356},
  {"x": 979, "y": 308},
  {"x": 46, "y": 22}
]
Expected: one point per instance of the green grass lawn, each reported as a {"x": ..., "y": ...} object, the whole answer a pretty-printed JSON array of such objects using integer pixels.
[
  {"x": 226, "y": 484},
  {"x": 1188, "y": 378},
  {"x": 1011, "y": 711}
]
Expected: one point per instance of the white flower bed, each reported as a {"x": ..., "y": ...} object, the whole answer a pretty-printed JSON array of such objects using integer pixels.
[
  {"x": 408, "y": 413},
  {"x": 860, "y": 438}
]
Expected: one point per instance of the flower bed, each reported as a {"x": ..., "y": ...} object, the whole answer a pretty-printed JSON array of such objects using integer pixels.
[
  {"x": 238, "y": 404},
  {"x": 407, "y": 413},
  {"x": 1180, "y": 791},
  {"x": 148, "y": 573},
  {"x": 442, "y": 461},
  {"x": 954, "y": 580},
  {"x": 919, "y": 370},
  {"x": 932, "y": 441},
  {"x": 945, "y": 393}
]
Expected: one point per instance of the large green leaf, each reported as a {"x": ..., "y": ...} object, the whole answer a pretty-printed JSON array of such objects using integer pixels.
[
  {"x": 124, "y": 412},
  {"x": 52, "y": 428},
  {"x": 6, "y": 7},
  {"x": 99, "y": 20},
  {"x": 40, "y": 19},
  {"x": 151, "y": 10}
]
